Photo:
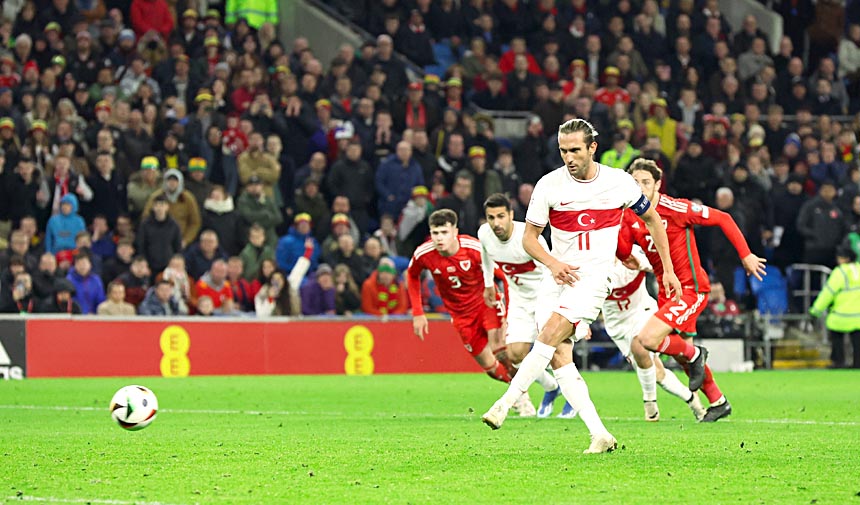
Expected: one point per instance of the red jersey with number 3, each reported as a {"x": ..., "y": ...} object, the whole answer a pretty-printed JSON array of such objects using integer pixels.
[
  {"x": 678, "y": 216},
  {"x": 459, "y": 277}
]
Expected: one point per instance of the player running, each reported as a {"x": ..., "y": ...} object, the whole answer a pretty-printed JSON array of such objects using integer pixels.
[
  {"x": 625, "y": 312},
  {"x": 502, "y": 244},
  {"x": 679, "y": 316},
  {"x": 582, "y": 203},
  {"x": 455, "y": 261}
]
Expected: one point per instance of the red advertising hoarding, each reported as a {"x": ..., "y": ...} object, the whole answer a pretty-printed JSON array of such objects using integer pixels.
[{"x": 110, "y": 348}]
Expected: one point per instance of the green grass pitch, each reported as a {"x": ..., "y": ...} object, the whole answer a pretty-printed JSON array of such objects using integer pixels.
[{"x": 794, "y": 437}]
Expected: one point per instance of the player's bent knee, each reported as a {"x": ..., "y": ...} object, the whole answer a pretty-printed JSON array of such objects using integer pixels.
[
  {"x": 517, "y": 351},
  {"x": 556, "y": 330}
]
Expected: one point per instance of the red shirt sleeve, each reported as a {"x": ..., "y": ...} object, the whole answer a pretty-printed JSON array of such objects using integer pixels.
[
  {"x": 625, "y": 240},
  {"x": 413, "y": 285},
  {"x": 707, "y": 216}
]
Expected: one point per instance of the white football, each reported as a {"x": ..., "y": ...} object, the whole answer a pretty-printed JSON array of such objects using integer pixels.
[{"x": 134, "y": 407}]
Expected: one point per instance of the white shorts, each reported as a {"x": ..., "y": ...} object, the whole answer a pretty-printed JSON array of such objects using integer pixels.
[
  {"x": 624, "y": 319},
  {"x": 522, "y": 326},
  {"x": 580, "y": 302}
]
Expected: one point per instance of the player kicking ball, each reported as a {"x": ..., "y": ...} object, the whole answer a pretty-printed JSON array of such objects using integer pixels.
[
  {"x": 582, "y": 203},
  {"x": 502, "y": 245},
  {"x": 455, "y": 261},
  {"x": 625, "y": 312},
  {"x": 679, "y": 316}
]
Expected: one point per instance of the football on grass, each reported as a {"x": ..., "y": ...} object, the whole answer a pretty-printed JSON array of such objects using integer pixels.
[{"x": 134, "y": 407}]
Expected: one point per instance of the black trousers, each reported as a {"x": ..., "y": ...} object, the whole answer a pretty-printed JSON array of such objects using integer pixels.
[{"x": 837, "y": 348}]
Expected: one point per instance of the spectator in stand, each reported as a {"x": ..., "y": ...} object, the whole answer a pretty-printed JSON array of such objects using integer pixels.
[
  {"x": 347, "y": 297},
  {"x": 19, "y": 245},
  {"x": 220, "y": 216},
  {"x": 340, "y": 225},
  {"x": 109, "y": 197},
  {"x": 200, "y": 255},
  {"x": 151, "y": 16},
  {"x": 143, "y": 184},
  {"x": 310, "y": 201},
  {"x": 756, "y": 207},
  {"x": 822, "y": 226},
  {"x": 213, "y": 284},
  {"x": 255, "y": 207},
  {"x": 255, "y": 161},
  {"x": 45, "y": 277},
  {"x": 89, "y": 290},
  {"x": 243, "y": 297},
  {"x": 115, "y": 305},
  {"x": 318, "y": 293},
  {"x": 460, "y": 201},
  {"x": 196, "y": 181},
  {"x": 383, "y": 293},
  {"x": 62, "y": 301},
  {"x": 160, "y": 302},
  {"x": 298, "y": 243},
  {"x": 64, "y": 226},
  {"x": 485, "y": 181},
  {"x": 159, "y": 237},
  {"x": 395, "y": 178},
  {"x": 787, "y": 241},
  {"x": 183, "y": 207},
  {"x": 255, "y": 252},
  {"x": 696, "y": 176},
  {"x": 346, "y": 253},
  {"x": 175, "y": 273},
  {"x": 136, "y": 280},
  {"x": 21, "y": 299},
  {"x": 276, "y": 298},
  {"x": 352, "y": 177}
]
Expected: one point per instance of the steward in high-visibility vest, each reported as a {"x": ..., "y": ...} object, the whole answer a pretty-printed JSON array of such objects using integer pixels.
[
  {"x": 841, "y": 294},
  {"x": 256, "y": 12}
]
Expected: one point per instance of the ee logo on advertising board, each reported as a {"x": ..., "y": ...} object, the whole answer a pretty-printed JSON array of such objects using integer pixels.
[
  {"x": 175, "y": 343},
  {"x": 358, "y": 342}
]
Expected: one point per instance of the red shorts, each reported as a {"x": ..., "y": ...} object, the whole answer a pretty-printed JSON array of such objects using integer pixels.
[
  {"x": 473, "y": 330},
  {"x": 681, "y": 315}
]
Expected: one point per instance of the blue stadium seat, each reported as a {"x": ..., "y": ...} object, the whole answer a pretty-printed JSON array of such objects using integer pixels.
[{"x": 771, "y": 292}]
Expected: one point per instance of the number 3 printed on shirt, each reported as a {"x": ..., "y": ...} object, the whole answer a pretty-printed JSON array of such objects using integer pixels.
[{"x": 455, "y": 281}]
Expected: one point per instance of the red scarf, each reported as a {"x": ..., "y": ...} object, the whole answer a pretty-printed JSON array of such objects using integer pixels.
[
  {"x": 63, "y": 184},
  {"x": 416, "y": 122}
]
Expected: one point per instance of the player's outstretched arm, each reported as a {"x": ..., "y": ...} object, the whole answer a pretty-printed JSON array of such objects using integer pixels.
[
  {"x": 420, "y": 327},
  {"x": 661, "y": 242},
  {"x": 561, "y": 272},
  {"x": 753, "y": 265}
]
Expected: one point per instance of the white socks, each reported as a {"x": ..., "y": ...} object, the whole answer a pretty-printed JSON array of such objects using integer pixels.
[
  {"x": 531, "y": 368},
  {"x": 547, "y": 381},
  {"x": 674, "y": 386},
  {"x": 648, "y": 381},
  {"x": 575, "y": 391}
]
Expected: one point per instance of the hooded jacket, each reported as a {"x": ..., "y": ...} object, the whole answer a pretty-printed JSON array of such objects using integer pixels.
[
  {"x": 89, "y": 291},
  {"x": 183, "y": 207},
  {"x": 291, "y": 247},
  {"x": 62, "y": 228}
]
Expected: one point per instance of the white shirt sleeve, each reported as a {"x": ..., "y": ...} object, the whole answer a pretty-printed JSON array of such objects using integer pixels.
[
  {"x": 631, "y": 194},
  {"x": 486, "y": 262},
  {"x": 538, "y": 211}
]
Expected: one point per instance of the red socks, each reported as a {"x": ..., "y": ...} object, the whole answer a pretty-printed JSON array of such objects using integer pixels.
[
  {"x": 673, "y": 345},
  {"x": 499, "y": 372},
  {"x": 710, "y": 388}
]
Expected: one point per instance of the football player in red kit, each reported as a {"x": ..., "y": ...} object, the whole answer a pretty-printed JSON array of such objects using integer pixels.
[
  {"x": 679, "y": 316},
  {"x": 454, "y": 261}
]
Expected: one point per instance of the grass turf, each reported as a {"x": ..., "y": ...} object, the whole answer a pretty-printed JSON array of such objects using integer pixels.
[{"x": 794, "y": 437}]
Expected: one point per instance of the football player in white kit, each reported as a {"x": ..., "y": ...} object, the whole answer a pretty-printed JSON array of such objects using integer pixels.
[
  {"x": 625, "y": 312},
  {"x": 582, "y": 203},
  {"x": 502, "y": 243}
]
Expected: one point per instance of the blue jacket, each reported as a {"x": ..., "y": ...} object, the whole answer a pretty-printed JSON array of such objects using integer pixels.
[
  {"x": 62, "y": 228},
  {"x": 315, "y": 300},
  {"x": 291, "y": 247},
  {"x": 393, "y": 180},
  {"x": 151, "y": 306},
  {"x": 89, "y": 291}
]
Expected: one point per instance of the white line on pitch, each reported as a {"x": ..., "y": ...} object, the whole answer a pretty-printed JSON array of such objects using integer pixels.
[
  {"x": 390, "y": 414},
  {"x": 50, "y": 499}
]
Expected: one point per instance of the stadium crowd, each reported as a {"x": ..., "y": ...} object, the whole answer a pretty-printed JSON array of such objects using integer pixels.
[{"x": 163, "y": 158}]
